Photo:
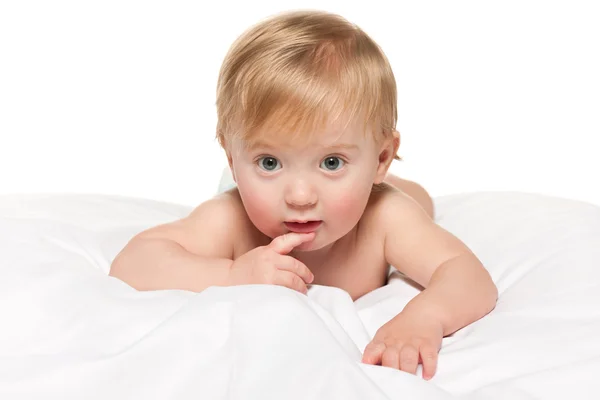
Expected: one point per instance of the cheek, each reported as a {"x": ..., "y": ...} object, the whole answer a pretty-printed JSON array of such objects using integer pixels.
[
  {"x": 260, "y": 205},
  {"x": 349, "y": 205}
]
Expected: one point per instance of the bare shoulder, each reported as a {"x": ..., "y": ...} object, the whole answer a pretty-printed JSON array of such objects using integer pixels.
[
  {"x": 412, "y": 241},
  {"x": 388, "y": 205},
  {"x": 211, "y": 229}
]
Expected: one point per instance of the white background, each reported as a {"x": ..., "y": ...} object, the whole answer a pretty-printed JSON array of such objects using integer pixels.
[{"x": 117, "y": 97}]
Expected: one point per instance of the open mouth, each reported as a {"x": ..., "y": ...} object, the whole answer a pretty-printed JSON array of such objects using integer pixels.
[{"x": 303, "y": 227}]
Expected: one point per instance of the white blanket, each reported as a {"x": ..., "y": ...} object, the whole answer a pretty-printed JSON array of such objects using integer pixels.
[{"x": 69, "y": 331}]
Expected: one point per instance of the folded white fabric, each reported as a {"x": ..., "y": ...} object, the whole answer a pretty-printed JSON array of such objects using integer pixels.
[{"x": 69, "y": 331}]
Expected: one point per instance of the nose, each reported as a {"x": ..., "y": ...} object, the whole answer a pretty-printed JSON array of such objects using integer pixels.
[{"x": 300, "y": 194}]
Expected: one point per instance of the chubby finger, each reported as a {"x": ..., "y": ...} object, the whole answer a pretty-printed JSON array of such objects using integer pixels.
[
  {"x": 409, "y": 359},
  {"x": 429, "y": 358},
  {"x": 373, "y": 352},
  {"x": 285, "y": 243},
  {"x": 391, "y": 358},
  {"x": 288, "y": 263},
  {"x": 290, "y": 280}
]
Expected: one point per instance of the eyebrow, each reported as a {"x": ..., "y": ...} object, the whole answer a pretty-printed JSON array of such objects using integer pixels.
[
  {"x": 258, "y": 144},
  {"x": 345, "y": 146},
  {"x": 265, "y": 145}
]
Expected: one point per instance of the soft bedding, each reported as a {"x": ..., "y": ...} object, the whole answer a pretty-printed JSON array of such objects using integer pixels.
[{"x": 69, "y": 331}]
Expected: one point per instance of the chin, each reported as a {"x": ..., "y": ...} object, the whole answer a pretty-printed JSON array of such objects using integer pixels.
[
  {"x": 312, "y": 246},
  {"x": 305, "y": 247}
]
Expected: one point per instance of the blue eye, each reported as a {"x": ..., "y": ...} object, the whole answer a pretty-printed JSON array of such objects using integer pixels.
[
  {"x": 332, "y": 163},
  {"x": 269, "y": 164}
]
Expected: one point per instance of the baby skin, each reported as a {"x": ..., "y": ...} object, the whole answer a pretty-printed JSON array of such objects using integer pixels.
[{"x": 324, "y": 212}]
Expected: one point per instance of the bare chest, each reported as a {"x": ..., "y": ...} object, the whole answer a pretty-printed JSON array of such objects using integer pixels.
[{"x": 358, "y": 270}]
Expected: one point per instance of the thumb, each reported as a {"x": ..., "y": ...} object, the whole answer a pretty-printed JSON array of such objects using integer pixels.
[{"x": 285, "y": 243}]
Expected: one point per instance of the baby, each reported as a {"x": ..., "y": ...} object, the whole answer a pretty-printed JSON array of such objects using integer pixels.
[{"x": 306, "y": 105}]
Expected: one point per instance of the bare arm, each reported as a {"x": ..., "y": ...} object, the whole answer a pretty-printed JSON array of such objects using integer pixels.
[
  {"x": 189, "y": 254},
  {"x": 458, "y": 289}
]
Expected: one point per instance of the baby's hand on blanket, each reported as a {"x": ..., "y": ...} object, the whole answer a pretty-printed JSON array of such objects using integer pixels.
[
  {"x": 271, "y": 265},
  {"x": 404, "y": 342}
]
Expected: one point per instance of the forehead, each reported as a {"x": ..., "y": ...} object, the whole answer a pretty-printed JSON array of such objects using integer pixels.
[{"x": 344, "y": 135}]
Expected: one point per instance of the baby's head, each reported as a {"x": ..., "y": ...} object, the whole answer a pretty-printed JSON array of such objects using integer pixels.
[{"x": 306, "y": 106}]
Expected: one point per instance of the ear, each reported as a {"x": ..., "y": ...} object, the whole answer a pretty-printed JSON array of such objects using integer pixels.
[{"x": 387, "y": 153}]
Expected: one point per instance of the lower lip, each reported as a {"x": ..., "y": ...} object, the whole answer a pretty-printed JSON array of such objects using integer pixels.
[{"x": 303, "y": 227}]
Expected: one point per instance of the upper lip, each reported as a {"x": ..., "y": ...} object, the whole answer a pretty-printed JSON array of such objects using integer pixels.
[{"x": 302, "y": 221}]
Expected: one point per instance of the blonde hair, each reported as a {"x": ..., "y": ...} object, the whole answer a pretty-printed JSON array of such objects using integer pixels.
[{"x": 300, "y": 71}]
